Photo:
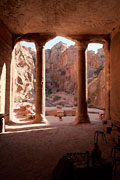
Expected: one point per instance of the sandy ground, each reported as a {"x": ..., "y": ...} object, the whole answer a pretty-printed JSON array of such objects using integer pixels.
[{"x": 31, "y": 152}]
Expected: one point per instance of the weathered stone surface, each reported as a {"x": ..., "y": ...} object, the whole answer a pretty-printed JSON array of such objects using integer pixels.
[
  {"x": 24, "y": 74},
  {"x": 60, "y": 68},
  {"x": 115, "y": 78},
  {"x": 24, "y": 110},
  {"x": 96, "y": 91},
  {"x": 61, "y": 17},
  {"x": 52, "y": 111},
  {"x": 5, "y": 61},
  {"x": 80, "y": 18},
  {"x": 61, "y": 74},
  {"x": 95, "y": 63}
]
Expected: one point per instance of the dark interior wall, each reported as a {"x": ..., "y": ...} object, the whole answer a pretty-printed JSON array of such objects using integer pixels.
[
  {"x": 5, "y": 57},
  {"x": 115, "y": 77}
]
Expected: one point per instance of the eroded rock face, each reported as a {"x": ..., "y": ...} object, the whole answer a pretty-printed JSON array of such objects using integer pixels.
[
  {"x": 96, "y": 90},
  {"x": 95, "y": 63},
  {"x": 61, "y": 75},
  {"x": 24, "y": 73},
  {"x": 60, "y": 70}
]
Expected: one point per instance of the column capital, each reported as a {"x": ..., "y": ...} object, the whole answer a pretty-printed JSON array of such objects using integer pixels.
[
  {"x": 82, "y": 45},
  {"x": 106, "y": 46},
  {"x": 38, "y": 38},
  {"x": 42, "y": 39},
  {"x": 40, "y": 44}
]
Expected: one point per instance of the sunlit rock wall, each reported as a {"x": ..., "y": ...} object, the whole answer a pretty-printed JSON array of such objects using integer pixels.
[{"x": 24, "y": 71}]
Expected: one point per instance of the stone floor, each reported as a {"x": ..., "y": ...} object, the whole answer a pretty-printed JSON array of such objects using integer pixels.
[{"x": 31, "y": 152}]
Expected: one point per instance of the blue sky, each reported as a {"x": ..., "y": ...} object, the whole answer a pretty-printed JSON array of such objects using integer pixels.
[{"x": 51, "y": 43}]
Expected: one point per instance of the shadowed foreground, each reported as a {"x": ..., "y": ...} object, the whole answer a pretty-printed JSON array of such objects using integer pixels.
[{"x": 32, "y": 154}]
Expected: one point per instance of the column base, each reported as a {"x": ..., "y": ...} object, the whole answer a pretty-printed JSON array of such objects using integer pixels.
[
  {"x": 107, "y": 117},
  {"x": 82, "y": 119},
  {"x": 40, "y": 118}
]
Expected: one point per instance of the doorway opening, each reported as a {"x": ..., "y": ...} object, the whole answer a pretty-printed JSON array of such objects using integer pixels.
[
  {"x": 60, "y": 59},
  {"x": 96, "y": 76},
  {"x": 23, "y": 85}
]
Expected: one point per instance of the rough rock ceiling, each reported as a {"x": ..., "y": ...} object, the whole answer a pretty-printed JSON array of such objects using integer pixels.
[{"x": 62, "y": 17}]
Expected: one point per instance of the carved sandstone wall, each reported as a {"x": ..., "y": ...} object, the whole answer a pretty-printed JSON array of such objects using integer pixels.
[
  {"x": 115, "y": 77},
  {"x": 5, "y": 60}
]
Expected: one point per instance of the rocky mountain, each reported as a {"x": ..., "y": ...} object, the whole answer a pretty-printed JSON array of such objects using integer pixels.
[{"x": 61, "y": 74}]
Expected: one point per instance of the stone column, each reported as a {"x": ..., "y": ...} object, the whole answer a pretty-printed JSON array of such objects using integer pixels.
[
  {"x": 40, "y": 85},
  {"x": 86, "y": 66},
  {"x": 39, "y": 39},
  {"x": 107, "y": 81},
  {"x": 82, "y": 115},
  {"x": 7, "y": 92},
  {"x": 12, "y": 85}
]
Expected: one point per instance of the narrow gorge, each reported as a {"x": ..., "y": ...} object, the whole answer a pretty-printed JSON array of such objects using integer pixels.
[{"x": 61, "y": 75}]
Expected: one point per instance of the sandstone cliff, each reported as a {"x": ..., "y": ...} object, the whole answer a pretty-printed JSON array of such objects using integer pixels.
[
  {"x": 96, "y": 91},
  {"x": 24, "y": 73},
  {"x": 61, "y": 75}
]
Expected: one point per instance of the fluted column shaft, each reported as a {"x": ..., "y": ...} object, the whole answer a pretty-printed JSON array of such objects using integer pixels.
[{"x": 82, "y": 115}]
